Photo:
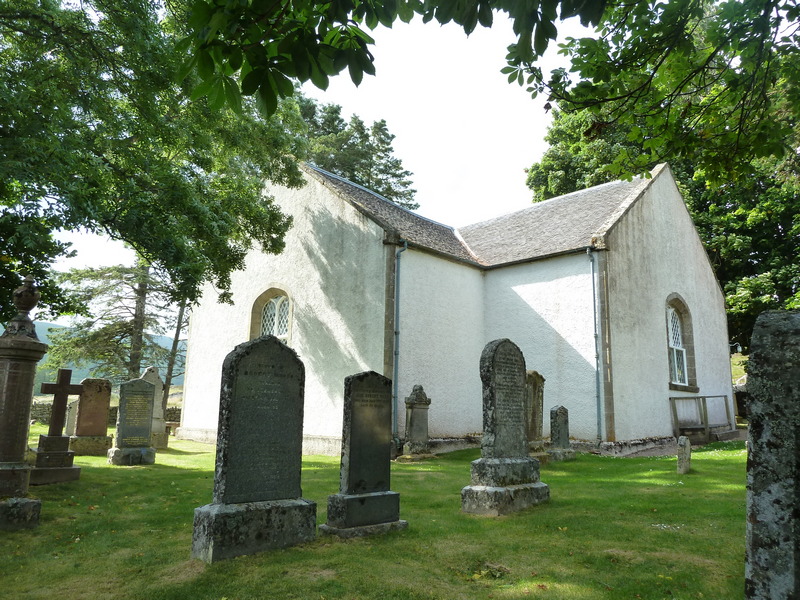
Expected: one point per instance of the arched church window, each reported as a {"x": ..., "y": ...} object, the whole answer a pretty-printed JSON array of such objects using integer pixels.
[
  {"x": 272, "y": 315},
  {"x": 680, "y": 345}
]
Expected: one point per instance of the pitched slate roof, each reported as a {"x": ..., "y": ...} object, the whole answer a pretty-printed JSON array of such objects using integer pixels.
[{"x": 559, "y": 225}]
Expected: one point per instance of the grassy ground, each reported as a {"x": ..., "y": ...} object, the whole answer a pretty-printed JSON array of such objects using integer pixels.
[{"x": 614, "y": 528}]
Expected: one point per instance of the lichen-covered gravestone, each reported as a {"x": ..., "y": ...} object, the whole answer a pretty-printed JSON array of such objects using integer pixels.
[
  {"x": 417, "y": 406},
  {"x": 559, "y": 435},
  {"x": 257, "y": 503},
  {"x": 365, "y": 505},
  {"x": 505, "y": 479},
  {"x": 158, "y": 436},
  {"x": 134, "y": 425},
  {"x": 772, "y": 553},
  {"x": 90, "y": 437},
  {"x": 534, "y": 411},
  {"x": 684, "y": 455}
]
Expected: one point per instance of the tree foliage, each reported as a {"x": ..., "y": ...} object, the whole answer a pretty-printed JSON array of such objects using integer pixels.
[
  {"x": 95, "y": 135},
  {"x": 130, "y": 307},
  {"x": 750, "y": 227},
  {"x": 363, "y": 155}
]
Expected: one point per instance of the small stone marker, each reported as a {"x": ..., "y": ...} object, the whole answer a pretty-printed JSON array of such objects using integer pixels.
[
  {"x": 20, "y": 351},
  {"x": 134, "y": 425},
  {"x": 160, "y": 438},
  {"x": 684, "y": 455},
  {"x": 364, "y": 504},
  {"x": 534, "y": 411},
  {"x": 256, "y": 503},
  {"x": 772, "y": 553},
  {"x": 54, "y": 459},
  {"x": 505, "y": 479},
  {"x": 417, "y": 441},
  {"x": 91, "y": 428},
  {"x": 72, "y": 417},
  {"x": 559, "y": 435}
]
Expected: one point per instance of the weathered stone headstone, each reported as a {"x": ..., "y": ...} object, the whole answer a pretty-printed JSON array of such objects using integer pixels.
[
  {"x": 160, "y": 438},
  {"x": 684, "y": 455},
  {"x": 72, "y": 417},
  {"x": 559, "y": 435},
  {"x": 505, "y": 479},
  {"x": 20, "y": 351},
  {"x": 134, "y": 425},
  {"x": 91, "y": 428},
  {"x": 772, "y": 553},
  {"x": 257, "y": 502},
  {"x": 54, "y": 460},
  {"x": 534, "y": 411},
  {"x": 417, "y": 441},
  {"x": 364, "y": 504}
]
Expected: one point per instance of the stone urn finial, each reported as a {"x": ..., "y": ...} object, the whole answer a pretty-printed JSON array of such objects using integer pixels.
[{"x": 26, "y": 297}]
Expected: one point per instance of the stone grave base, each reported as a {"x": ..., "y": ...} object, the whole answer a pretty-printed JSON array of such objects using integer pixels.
[
  {"x": 90, "y": 445},
  {"x": 542, "y": 457},
  {"x": 48, "y": 475},
  {"x": 502, "y": 472},
  {"x": 14, "y": 479},
  {"x": 363, "y": 530},
  {"x": 19, "y": 513},
  {"x": 407, "y": 458},
  {"x": 355, "y": 511},
  {"x": 131, "y": 456},
  {"x": 160, "y": 441},
  {"x": 495, "y": 501},
  {"x": 53, "y": 461},
  {"x": 224, "y": 531},
  {"x": 559, "y": 454}
]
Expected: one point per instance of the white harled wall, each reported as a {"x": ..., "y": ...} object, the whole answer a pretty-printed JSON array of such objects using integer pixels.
[
  {"x": 441, "y": 339},
  {"x": 333, "y": 269},
  {"x": 545, "y": 308},
  {"x": 654, "y": 251}
]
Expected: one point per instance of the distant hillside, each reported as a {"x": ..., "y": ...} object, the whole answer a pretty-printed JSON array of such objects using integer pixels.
[{"x": 43, "y": 332}]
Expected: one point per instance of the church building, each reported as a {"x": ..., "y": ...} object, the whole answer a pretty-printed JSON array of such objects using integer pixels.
[{"x": 607, "y": 291}]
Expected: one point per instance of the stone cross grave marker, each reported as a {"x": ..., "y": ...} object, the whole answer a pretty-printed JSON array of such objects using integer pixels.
[
  {"x": 559, "y": 435},
  {"x": 91, "y": 428},
  {"x": 256, "y": 503},
  {"x": 160, "y": 439},
  {"x": 365, "y": 505},
  {"x": 134, "y": 425},
  {"x": 505, "y": 479},
  {"x": 20, "y": 351},
  {"x": 772, "y": 550},
  {"x": 54, "y": 459}
]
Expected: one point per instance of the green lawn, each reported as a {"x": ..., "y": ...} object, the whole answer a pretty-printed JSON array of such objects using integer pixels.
[{"x": 614, "y": 528}]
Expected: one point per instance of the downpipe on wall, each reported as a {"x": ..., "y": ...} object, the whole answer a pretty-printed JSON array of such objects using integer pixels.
[
  {"x": 396, "y": 361},
  {"x": 598, "y": 400}
]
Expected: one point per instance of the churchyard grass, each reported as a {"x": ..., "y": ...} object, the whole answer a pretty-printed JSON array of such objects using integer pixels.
[{"x": 614, "y": 528}]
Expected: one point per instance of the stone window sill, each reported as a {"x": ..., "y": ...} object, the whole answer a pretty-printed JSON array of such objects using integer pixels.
[{"x": 676, "y": 387}]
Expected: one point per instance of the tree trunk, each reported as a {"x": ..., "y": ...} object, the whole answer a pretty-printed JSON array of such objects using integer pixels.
[
  {"x": 173, "y": 353},
  {"x": 137, "y": 326}
]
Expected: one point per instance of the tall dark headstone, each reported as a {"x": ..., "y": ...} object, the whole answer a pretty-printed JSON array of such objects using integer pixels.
[
  {"x": 20, "y": 351},
  {"x": 54, "y": 459},
  {"x": 505, "y": 479},
  {"x": 772, "y": 553},
  {"x": 535, "y": 409},
  {"x": 134, "y": 425},
  {"x": 91, "y": 427},
  {"x": 257, "y": 503},
  {"x": 365, "y": 505},
  {"x": 559, "y": 435}
]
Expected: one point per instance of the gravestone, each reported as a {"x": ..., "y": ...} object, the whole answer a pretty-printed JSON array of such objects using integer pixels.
[
  {"x": 20, "y": 351},
  {"x": 72, "y": 416},
  {"x": 534, "y": 411},
  {"x": 256, "y": 503},
  {"x": 134, "y": 425},
  {"x": 160, "y": 438},
  {"x": 684, "y": 455},
  {"x": 54, "y": 461},
  {"x": 559, "y": 435},
  {"x": 505, "y": 479},
  {"x": 365, "y": 505},
  {"x": 91, "y": 428},
  {"x": 417, "y": 441},
  {"x": 772, "y": 552}
]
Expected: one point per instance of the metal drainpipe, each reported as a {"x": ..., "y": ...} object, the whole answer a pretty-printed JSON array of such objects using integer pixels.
[
  {"x": 396, "y": 365},
  {"x": 596, "y": 350}
]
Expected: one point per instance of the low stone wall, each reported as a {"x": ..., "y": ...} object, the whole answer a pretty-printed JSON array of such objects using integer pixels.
[{"x": 40, "y": 412}]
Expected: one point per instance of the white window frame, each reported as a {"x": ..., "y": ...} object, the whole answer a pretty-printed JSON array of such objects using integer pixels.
[
  {"x": 276, "y": 318},
  {"x": 678, "y": 364}
]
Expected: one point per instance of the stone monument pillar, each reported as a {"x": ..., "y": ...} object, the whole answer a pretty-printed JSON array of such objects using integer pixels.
[
  {"x": 160, "y": 439},
  {"x": 54, "y": 459},
  {"x": 560, "y": 448},
  {"x": 505, "y": 479},
  {"x": 772, "y": 552},
  {"x": 365, "y": 505},
  {"x": 684, "y": 455},
  {"x": 417, "y": 405},
  {"x": 20, "y": 351}
]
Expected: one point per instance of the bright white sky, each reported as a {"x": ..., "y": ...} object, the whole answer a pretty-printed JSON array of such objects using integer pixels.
[{"x": 464, "y": 132}]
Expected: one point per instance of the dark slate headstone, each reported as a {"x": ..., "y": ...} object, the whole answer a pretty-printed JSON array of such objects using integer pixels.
[
  {"x": 134, "y": 425},
  {"x": 364, "y": 504},
  {"x": 772, "y": 554},
  {"x": 535, "y": 411},
  {"x": 505, "y": 479},
  {"x": 256, "y": 499}
]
